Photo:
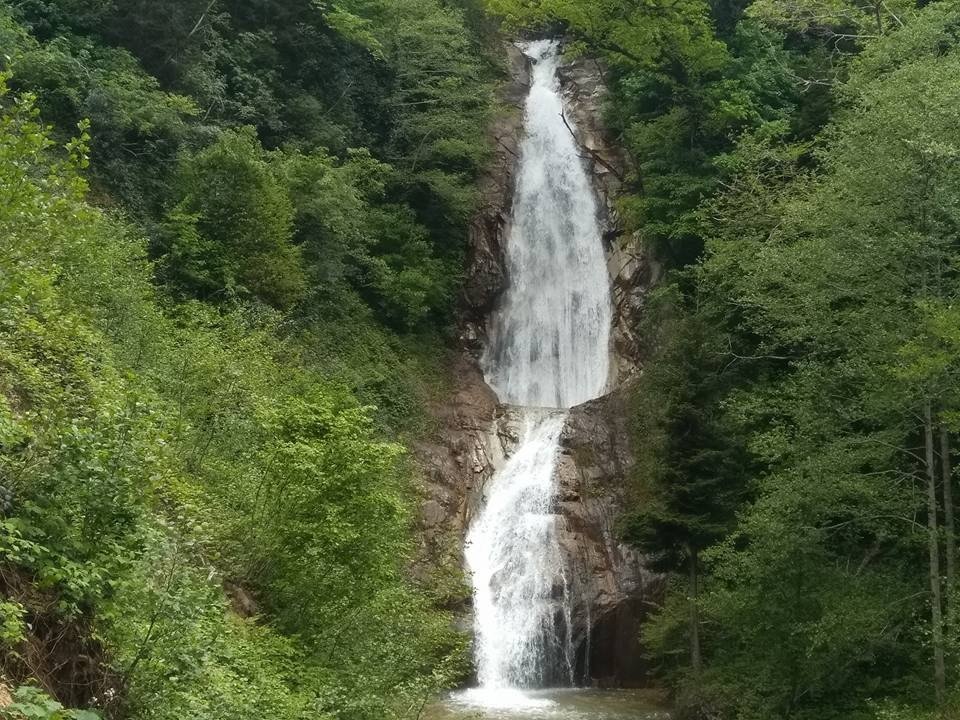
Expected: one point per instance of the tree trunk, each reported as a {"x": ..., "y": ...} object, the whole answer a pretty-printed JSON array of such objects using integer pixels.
[
  {"x": 948, "y": 521},
  {"x": 695, "y": 655},
  {"x": 936, "y": 614}
]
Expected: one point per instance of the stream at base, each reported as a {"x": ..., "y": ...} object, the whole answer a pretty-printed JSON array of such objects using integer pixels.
[{"x": 553, "y": 704}]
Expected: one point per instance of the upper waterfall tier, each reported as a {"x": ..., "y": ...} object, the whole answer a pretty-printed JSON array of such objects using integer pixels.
[{"x": 550, "y": 339}]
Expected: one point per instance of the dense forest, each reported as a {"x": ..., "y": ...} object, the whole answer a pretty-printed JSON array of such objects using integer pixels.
[
  {"x": 232, "y": 235},
  {"x": 797, "y": 168}
]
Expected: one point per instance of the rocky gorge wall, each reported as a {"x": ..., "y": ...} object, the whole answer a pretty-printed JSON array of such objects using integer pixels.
[{"x": 474, "y": 433}]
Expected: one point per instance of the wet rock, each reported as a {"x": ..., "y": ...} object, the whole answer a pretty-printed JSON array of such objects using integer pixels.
[
  {"x": 582, "y": 81},
  {"x": 454, "y": 460},
  {"x": 632, "y": 271},
  {"x": 610, "y": 580},
  {"x": 485, "y": 272}
]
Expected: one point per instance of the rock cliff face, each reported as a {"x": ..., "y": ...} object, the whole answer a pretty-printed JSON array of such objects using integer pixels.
[
  {"x": 485, "y": 272},
  {"x": 474, "y": 433},
  {"x": 632, "y": 272}
]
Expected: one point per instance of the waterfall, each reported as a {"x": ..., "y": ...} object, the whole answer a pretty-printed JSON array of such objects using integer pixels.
[
  {"x": 550, "y": 341},
  {"x": 548, "y": 351}
]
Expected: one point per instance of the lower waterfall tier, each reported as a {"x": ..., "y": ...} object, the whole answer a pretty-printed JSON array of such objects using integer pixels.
[
  {"x": 522, "y": 595},
  {"x": 611, "y": 584}
]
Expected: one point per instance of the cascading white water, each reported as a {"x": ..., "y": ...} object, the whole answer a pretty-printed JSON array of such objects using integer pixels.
[
  {"x": 549, "y": 351},
  {"x": 550, "y": 341},
  {"x": 518, "y": 569}
]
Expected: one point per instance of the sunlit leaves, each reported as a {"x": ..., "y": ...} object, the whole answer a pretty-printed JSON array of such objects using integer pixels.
[{"x": 148, "y": 452}]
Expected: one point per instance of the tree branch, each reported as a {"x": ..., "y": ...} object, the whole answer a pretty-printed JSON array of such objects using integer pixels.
[{"x": 594, "y": 155}]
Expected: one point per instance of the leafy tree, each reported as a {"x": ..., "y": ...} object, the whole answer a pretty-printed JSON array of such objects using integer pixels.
[
  {"x": 691, "y": 469},
  {"x": 352, "y": 236},
  {"x": 834, "y": 280},
  {"x": 138, "y": 441},
  {"x": 231, "y": 230},
  {"x": 138, "y": 129},
  {"x": 841, "y": 21},
  {"x": 810, "y": 347},
  {"x": 172, "y": 38}
]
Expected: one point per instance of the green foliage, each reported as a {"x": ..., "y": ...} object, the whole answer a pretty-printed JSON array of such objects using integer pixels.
[
  {"x": 839, "y": 19},
  {"x": 403, "y": 79},
  {"x": 184, "y": 653},
  {"x": 634, "y": 34},
  {"x": 12, "y": 628},
  {"x": 355, "y": 241},
  {"x": 29, "y": 703},
  {"x": 232, "y": 226},
  {"x": 822, "y": 320},
  {"x": 205, "y": 410},
  {"x": 138, "y": 128},
  {"x": 690, "y": 468},
  {"x": 353, "y": 28},
  {"x": 154, "y": 453}
]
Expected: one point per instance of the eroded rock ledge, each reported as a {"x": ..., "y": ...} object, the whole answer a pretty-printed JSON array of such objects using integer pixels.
[{"x": 475, "y": 434}]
